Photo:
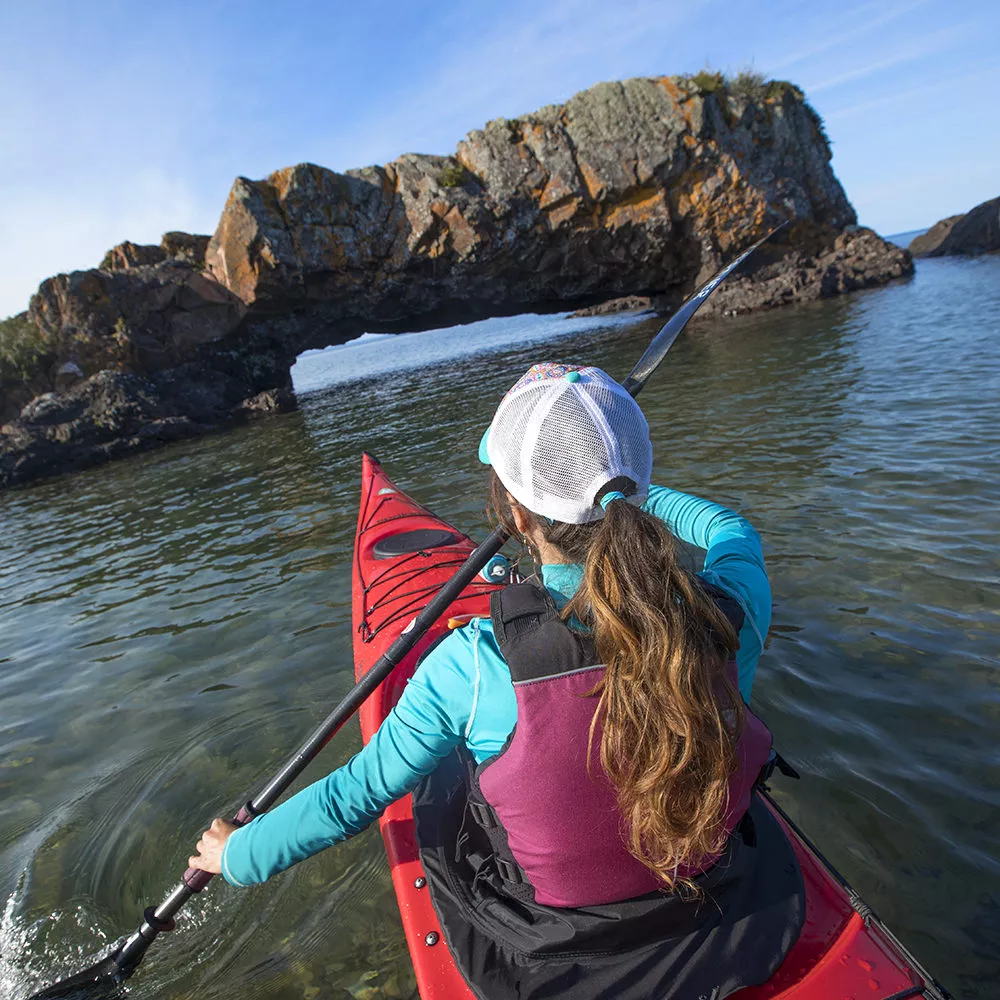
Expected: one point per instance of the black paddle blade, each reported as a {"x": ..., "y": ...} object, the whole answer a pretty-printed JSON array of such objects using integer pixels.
[{"x": 103, "y": 981}]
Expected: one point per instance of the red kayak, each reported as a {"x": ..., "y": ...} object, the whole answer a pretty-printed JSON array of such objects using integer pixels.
[{"x": 402, "y": 555}]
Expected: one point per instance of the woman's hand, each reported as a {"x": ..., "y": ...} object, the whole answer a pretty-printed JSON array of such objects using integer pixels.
[{"x": 209, "y": 848}]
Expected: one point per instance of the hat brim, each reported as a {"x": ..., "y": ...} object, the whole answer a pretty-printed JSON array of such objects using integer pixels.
[{"x": 484, "y": 456}]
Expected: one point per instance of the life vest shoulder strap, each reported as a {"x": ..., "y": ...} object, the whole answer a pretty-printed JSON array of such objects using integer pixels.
[{"x": 534, "y": 640}]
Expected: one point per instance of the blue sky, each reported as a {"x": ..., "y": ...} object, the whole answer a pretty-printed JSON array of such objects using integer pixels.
[{"x": 120, "y": 120}]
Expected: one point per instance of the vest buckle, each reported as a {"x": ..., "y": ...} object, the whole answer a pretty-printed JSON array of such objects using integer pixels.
[
  {"x": 482, "y": 814},
  {"x": 508, "y": 872}
]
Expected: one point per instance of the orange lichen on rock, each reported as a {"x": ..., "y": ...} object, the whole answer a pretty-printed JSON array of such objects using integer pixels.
[
  {"x": 638, "y": 207},
  {"x": 563, "y": 212},
  {"x": 238, "y": 246},
  {"x": 462, "y": 235},
  {"x": 680, "y": 99},
  {"x": 633, "y": 157},
  {"x": 555, "y": 190},
  {"x": 716, "y": 200},
  {"x": 596, "y": 186},
  {"x": 281, "y": 181}
]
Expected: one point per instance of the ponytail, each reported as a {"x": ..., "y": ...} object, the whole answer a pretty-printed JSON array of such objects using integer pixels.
[{"x": 668, "y": 715}]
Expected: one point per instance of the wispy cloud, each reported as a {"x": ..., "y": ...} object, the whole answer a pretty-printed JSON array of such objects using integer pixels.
[
  {"x": 940, "y": 87},
  {"x": 868, "y": 18},
  {"x": 940, "y": 41}
]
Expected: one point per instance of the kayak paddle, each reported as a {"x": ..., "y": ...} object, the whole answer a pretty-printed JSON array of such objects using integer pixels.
[{"x": 104, "y": 979}]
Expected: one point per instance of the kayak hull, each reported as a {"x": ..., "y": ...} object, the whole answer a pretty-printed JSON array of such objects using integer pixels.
[{"x": 403, "y": 555}]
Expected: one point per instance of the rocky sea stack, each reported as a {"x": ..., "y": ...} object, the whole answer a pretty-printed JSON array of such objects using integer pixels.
[
  {"x": 976, "y": 232},
  {"x": 640, "y": 188}
]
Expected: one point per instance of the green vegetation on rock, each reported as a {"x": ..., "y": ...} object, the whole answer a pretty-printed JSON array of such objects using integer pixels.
[
  {"x": 453, "y": 175},
  {"x": 747, "y": 83},
  {"x": 23, "y": 348},
  {"x": 776, "y": 89},
  {"x": 708, "y": 81},
  {"x": 753, "y": 86}
]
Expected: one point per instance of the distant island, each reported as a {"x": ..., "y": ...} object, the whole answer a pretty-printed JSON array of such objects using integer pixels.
[
  {"x": 639, "y": 189},
  {"x": 976, "y": 232}
]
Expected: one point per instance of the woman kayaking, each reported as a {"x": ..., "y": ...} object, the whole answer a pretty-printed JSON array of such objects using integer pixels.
[{"x": 582, "y": 761}]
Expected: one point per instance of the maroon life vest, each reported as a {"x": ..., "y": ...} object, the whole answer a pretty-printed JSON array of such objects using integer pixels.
[{"x": 554, "y": 824}]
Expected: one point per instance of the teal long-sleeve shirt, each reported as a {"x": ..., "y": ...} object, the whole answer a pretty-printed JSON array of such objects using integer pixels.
[{"x": 462, "y": 694}]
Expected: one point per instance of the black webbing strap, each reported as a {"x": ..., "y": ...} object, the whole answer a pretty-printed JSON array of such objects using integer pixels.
[{"x": 775, "y": 761}]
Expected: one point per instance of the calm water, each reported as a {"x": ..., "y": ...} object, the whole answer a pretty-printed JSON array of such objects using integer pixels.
[{"x": 173, "y": 626}]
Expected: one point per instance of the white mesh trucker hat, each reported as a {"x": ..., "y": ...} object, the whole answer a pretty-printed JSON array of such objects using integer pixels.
[{"x": 561, "y": 434}]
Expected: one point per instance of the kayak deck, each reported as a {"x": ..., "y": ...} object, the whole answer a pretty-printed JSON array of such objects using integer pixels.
[{"x": 403, "y": 554}]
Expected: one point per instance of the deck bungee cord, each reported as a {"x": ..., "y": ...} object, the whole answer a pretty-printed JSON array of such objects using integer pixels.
[{"x": 404, "y": 571}]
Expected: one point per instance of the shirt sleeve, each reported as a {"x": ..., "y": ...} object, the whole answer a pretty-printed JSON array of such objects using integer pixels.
[
  {"x": 734, "y": 560},
  {"x": 426, "y": 724}
]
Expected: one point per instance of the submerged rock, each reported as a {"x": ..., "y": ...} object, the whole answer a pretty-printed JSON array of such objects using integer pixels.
[
  {"x": 976, "y": 232},
  {"x": 628, "y": 303}
]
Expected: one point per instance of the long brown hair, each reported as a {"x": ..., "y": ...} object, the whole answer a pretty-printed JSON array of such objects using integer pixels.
[{"x": 669, "y": 716}]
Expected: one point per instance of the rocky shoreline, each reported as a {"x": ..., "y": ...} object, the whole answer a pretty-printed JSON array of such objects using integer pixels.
[{"x": 637, "y": 190}]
